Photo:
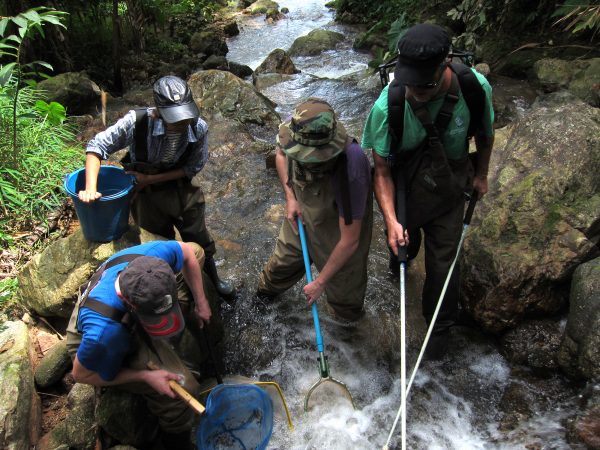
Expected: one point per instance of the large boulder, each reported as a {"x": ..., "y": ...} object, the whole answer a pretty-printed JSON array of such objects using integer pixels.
[
  {"x": 74, "y": 90},
  {"x": 221, "y": 94},
  {"x": 278, "y": 61},
  {"x": 268, "y": 7},
  {"x": 540, "y": 219},
  {"x": 579, "y": 353},
  {"x": 48, "y": 283},
  {"x": 581, "y": 77},
  {"x": 19, "y": 404},
  {"x": 53, "y": 365},
  {"x": 315, "y": 42}
]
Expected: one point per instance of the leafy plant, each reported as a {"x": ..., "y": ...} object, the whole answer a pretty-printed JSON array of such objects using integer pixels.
[
  {"x": 396, "y": 31},
  {"x": 8, "y": 287},
  {"x": 579, "y": 16},
  {"x": 29, "y": 24}
]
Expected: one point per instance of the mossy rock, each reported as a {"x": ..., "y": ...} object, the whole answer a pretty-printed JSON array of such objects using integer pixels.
[{"x": 315, "y": 42}]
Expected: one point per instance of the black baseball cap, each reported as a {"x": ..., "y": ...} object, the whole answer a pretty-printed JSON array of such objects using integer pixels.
[
  {"x": 149, "y": 283},
  {"x": 421, "y": 50},
  {"x": 173, "y": 99}
]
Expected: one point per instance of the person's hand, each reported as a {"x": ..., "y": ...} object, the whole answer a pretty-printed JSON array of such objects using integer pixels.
[
  {"x": 480, "y": 185},
  {"x": 313, "y": 291},
  {"x": 397, "y": 236},
  {"x": 159, "y": 381},
  {"x": 203, "y": 313},
  {"x": 293, "y": 211},
  {"x": 141, "y": 179},
  {"x": 89, "y": 196}
]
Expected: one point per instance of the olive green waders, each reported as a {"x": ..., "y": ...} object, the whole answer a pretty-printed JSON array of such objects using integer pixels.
[
  {"x": 174, "y": 415},
  {"x": 345, "y": 291}
]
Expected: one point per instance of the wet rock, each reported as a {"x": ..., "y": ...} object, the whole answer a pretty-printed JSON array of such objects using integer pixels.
[
  {"x": 315, "y": 42},
  {"x": 208, "y": 42},
  {"x": 221, "y": 94},
  {"x": 231, "y": 29},
  {"x": 20, "y": 411},
  {"x": 74, "y": 90},
  {"x": 240, "y": 70},
  {"x": 534, "y": 344},
  {"x": 215, "y": 62},
  {"x": 48, "y": 283},
  {"x": 581, "y": 77},
  {"x": 369, "y": 40},
  {"x": 278, "y": 61},
  {"x": 267, "y": 7},
  {"x": 584, "y": 428},
  {"x": 125, "y": 417},
  {"x": 78, "y": 429},
  {"x": 579, "y": 353},
  {"x": 515, "y": 406},
  {"x": 511, "y": 98},
  {"x": 53, "y": 365},
  {"x": 285, "y": 10},
  {"x": 269, "y": 79},
  {"x": 539, "y": 220}
]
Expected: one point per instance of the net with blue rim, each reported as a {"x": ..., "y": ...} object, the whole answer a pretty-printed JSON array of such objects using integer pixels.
[{"x": 238, "y": 417}]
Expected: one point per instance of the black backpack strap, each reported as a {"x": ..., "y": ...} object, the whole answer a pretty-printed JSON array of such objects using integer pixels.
[
  {"x": 345, "y": 188},
  {"x": 141, "y": 135},
  {"x": 396, "y": 94},
  {"x": 103, "y": 308},
  {"x": 474, "y": 96}
]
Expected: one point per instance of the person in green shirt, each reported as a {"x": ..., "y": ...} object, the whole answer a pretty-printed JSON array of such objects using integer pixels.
[{"x": 428, "y": 81}]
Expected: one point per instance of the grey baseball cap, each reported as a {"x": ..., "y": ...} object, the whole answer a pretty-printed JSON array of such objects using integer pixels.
[{"x": 173, "y": 99}]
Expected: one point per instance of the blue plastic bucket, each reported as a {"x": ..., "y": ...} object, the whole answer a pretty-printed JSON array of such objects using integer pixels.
[{"x": 107, "y": 218}]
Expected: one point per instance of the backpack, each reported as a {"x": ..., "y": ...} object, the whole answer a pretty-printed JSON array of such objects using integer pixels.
[{"x": 472, "y": 92}]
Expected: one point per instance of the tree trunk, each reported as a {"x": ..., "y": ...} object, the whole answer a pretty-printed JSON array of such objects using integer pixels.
[{"x": 116, "y": 49}]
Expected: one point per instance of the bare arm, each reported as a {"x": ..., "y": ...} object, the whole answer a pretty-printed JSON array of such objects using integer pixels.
[
  {"x": 157, "y": 379},
  {"x": 343, "y": 250},
  {"x": 385, "y": 193},
  {"x": 484, "y": 145},
  {"x": 293, "y": 209},
  {"x": 92, "y": 167},
  {"x": 192, "y": 274}
]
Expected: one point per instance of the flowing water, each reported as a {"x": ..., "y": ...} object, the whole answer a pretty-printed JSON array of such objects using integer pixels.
[{"x": 454, "y": 403}]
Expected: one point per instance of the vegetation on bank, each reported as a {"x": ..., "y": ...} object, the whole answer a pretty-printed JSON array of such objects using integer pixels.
[{"x": 475, "y": 22}]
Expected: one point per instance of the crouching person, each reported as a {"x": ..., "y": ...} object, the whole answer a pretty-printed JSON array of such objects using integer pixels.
[
  {"x": 128, "y": 318},
  {"x": 326, "y": 178}
]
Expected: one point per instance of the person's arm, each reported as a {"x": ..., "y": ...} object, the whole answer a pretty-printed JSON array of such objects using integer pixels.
[
  {"x": 484, "y": 145},
  {"x": 385, "y": 195},
  {"x": 92, "y": 168},
  {"x": 293, "y": 209},
  {"x": 157, "y": 379},
  {"x": 192, "y": 274},
  {"x": 343, "y": 250}
]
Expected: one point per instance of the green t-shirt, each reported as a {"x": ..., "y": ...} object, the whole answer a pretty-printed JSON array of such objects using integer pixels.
[{"x": 377, "y": 137}]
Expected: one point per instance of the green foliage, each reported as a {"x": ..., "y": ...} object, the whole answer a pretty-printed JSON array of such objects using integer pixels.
[
  {"x": 8, "y": 288},
  {"x": 31, "y": 188},
  {"x": 579, "y": 16},
  {"x": 396, "y": 31}
]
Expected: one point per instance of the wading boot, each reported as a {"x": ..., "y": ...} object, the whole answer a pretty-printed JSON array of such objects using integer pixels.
[{"x": 224, "y": 288}]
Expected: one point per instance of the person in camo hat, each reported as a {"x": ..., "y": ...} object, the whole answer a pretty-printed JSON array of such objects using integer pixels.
[{"x": 326, "y": 178}]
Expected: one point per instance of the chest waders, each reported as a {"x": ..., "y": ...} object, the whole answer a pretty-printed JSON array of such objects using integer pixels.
[{"x": 315, "y": 192}]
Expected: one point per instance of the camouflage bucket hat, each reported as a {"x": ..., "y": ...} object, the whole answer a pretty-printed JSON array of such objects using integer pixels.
[{"x": 312, "y": 135}]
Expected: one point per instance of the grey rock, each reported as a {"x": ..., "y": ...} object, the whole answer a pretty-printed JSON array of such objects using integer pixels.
[
  {"x": 579, "y": 352},
  {"x": 20, "y": 411},
  {"x": 278, "y": 61},
  {"x": 539, "y": 220},
  {"x": 53, "y": 365},
  {"x": 315, "y": 42},
  {"x": 74, "y": 90}
]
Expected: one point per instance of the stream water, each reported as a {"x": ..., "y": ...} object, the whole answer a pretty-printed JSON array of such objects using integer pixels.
[{"x": 455, "y": 403}]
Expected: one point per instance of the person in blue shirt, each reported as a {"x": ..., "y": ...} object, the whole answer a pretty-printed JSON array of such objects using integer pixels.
[{"x": 127, "y": 318}]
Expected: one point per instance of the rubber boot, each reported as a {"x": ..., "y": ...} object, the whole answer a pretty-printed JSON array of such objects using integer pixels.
[{"x": 224, "y": 288}]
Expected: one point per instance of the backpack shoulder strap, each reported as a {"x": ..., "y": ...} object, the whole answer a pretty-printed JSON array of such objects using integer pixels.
[
  {"x": 396, "y": 94},
  {"x": 141, "y": 135},
  {"x": 473, "y": 93},
  {"x": 98, "y": 306}
]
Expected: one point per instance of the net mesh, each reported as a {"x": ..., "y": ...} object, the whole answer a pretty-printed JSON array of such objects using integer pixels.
[{"x": 238, "y": 417}]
